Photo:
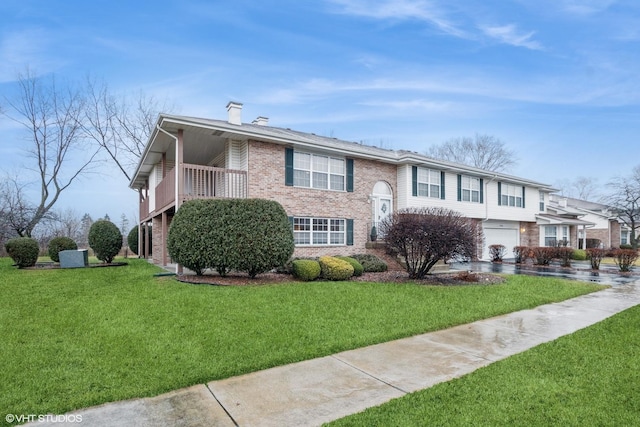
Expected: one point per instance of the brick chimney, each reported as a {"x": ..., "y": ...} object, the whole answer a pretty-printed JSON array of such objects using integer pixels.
[{"x": 234, "y": 109}]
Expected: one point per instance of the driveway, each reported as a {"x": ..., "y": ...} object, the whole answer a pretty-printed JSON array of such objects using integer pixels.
[{"x": 608, "y": 275}]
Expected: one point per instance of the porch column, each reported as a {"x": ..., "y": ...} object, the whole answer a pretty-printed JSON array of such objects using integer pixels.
[
  {"x": 179, "y": 185},
  {"x": 146, "y": 240},
  {"x": 164, "y": 238}
]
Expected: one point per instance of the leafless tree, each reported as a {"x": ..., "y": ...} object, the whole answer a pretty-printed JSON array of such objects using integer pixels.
[
  {"x": 51, "y": 116},
  {"x": 625, "y": 201},
  {"x": 120, "y": 126},
  {"x": 16, "y": 211},
  {"x": 583, "y": 188},
  {"x": 482, "y": 151}
]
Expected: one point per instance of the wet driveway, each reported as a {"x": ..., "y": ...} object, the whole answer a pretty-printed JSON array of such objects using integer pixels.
[{"x": 608, "y": 275}]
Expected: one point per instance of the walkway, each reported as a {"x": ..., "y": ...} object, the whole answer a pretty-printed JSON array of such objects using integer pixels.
[{"x": 312, "y": 392}]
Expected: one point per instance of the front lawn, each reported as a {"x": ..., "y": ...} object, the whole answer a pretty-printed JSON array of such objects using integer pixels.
[
  {"x": 79, "y": 337},
  {"x": 588, "y": 378}
]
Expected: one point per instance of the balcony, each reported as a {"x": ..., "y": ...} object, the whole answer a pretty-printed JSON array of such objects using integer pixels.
[{"x": 198, "y": 182}]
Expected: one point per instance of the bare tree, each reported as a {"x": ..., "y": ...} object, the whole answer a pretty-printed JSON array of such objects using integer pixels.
[
  {"x": 583, "y": 188},
  {"x": 16, "y": 210},
  {"x": 51, "y": 116},
  {"x": 119, "y": 126},
  {"x": 625, "y": 201},
  {"x": 482, "y": 151}
]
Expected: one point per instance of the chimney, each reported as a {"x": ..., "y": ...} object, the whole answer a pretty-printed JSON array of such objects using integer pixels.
[
  {"x": 262, "y": 121},
  {"x": 234, "y": 109}
]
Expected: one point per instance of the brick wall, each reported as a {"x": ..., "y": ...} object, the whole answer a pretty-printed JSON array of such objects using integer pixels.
[{"x": 266, "y": 180}]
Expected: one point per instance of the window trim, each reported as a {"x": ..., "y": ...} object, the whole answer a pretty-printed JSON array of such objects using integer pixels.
[
  {"x": 504, "y": 190},
  {"x": 415, "y": 173},
  {"x": 347, "y": 175},
  {"x": 312, "y": 232},
  {"x": 461, "y": 190}
]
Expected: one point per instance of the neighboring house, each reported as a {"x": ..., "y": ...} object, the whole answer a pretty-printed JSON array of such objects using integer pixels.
[
  {"x": 333, "y": 191},
  {"x": 598, "y": 222}
]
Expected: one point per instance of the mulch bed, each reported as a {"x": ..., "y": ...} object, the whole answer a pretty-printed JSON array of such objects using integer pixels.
[{"x": 442, "y": 279}]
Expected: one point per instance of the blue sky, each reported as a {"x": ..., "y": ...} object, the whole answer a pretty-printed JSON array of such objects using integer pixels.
[{"x": 556, "y": 80}]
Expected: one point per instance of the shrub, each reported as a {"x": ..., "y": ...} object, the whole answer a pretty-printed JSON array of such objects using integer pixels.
[
  {"x": 565, "y": 255},
  {"x": 105, "y": 240},
  {"x": 521, "y": 253},
  {"x": 624, "y": 246},
  {"x": 305, "y": 269},
  {"x": 358, "y": 269},
  {"x": 624, "y": 259},
  {"x": 335, "y": 269},
  {"x": 262, "y": 237},
  {"x": 132, "y": 240},
  {"x": 251, "y": 235},
  {"x": 424, "y": 236},
  {"x": 370, "y": 263},
  {"x": 579, "y": 255},
  {"x": 543, "y": 254},
  {"x": 23, "y": 251},
  {"x": 593, "y": 243},
  {"x": 595, "y": 256},
  {"x": 58, "y": 244},
  {"x": 497, "y": 252}
]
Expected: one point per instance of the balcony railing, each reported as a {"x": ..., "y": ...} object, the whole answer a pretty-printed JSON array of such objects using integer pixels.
[{"x": 198, "y": 182}]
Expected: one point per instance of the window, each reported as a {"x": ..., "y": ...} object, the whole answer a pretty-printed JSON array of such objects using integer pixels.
[
  {"x": 319, "y": 231},
  {"x": 470, "y": 189},
  {"x": 511, "y": 195},
  {"x": 429, "y": 182},
  {"x": 551, "y": 235},
  {"x": 624, "y": 237},
  {"x": 541, "y": 201},
  {"x": 316, "y": 171}
]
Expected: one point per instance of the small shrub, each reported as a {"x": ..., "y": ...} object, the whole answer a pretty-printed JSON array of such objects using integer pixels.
[
  {"x": 595, "y": 256},
  {"x": 358, "y": 269},
  {"x": 579, "y": 255},
  {"x": 105, "y": 240},
  {"x": 335, "y": 269},
  {"x": 497, "y": 252},
  {"x": 564, "y": 254},
  {"x": 521, "y": 253},
  {"x": 624, "y": 259},
  {"x": 58, "y": 244},
  {"x": 593, "y": 243},
  {"x": 543, "y": 254},
  {"x": 370, "y": 263},
  {"x": 23, "y": 251},
  {"x": 305, "y": 269},
  {"x": 468, "y": 276}
]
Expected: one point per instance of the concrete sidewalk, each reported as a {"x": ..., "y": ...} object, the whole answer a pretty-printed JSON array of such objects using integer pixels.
[{"x": 312, "y": 392}]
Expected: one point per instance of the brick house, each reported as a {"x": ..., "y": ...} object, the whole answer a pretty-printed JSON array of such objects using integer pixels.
[{"x": 333, "y": 191}]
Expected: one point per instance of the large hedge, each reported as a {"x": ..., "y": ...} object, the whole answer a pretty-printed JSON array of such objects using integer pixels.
[
  {"x": 23, "y": 251},
  {"x": 132, "y": 240},
  {"x": 251, "y": 235},
  {"x": 58, "y": 244},
  {"x": 105, "y": 240}
]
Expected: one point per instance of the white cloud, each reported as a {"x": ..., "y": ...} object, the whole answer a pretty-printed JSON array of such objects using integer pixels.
[
  {"x": 24, "y": 49},
  {"x": 401, "y": 10},
  {"x": 585, "y": 7},
  {"x": 508, "y": 34}
]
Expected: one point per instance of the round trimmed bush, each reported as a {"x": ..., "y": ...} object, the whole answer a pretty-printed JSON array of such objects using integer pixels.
[
  {"x": 358, "y": 269},
  {"x": 370, "y": 263},
  {"x": 132, "y": 240},
  {"x": 579, "y": 255},
  {"x": 23, "y": 251},
  {"x": 105, "y": 240},
  {"x": 58, "y": 244},
  {"x": 305, "y": 269},
  {"x": 333, "y": 268}
]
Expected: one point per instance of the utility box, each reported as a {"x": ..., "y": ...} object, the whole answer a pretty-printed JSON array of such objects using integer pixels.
[{"x": 74, "y": 258}]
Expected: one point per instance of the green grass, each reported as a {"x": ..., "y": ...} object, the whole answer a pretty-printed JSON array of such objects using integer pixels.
[
  {"x": 589, "y": 378},
  {"x": 74, "y": 338}
]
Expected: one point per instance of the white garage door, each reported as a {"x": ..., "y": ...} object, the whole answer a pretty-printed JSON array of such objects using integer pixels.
[{"x": 500, "y": 236}]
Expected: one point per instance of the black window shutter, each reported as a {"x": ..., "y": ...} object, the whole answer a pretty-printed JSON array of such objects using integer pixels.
[
  {"x": 288, "y": 166},
  {"x": 499, "y": 194},
  {"x": 442, "y": 185},
  {"x": 350, "y": 175},
  {"x": 459, "y": 188},
  {"x": 523, "y": 196},
  {"x": 414, "y": 180},
  {"x": 481, "y": 190},
  {"x": 349, "y": 232}
]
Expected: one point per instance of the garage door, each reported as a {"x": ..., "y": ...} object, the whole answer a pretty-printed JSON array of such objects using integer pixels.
[{"x": 500, "y": 236}]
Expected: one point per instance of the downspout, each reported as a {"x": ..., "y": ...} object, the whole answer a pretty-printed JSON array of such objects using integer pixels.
[{"x": 178, "y": 266}]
